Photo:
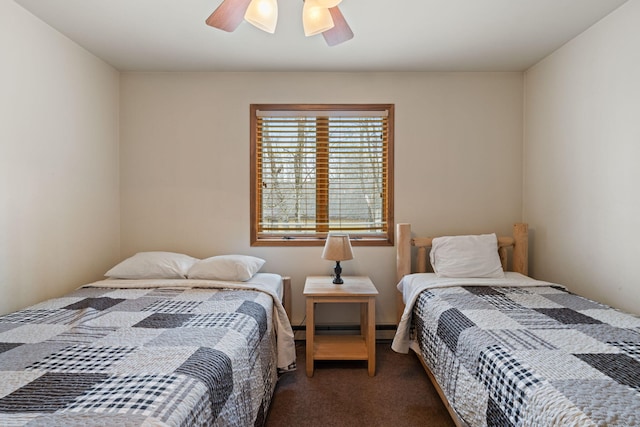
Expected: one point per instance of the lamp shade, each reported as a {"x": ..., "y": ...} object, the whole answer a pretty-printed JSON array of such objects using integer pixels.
[
  {"x": 263, "y": 14},
  {"x": 337, "y": 248},
  {"x": 315, "y": 18}
]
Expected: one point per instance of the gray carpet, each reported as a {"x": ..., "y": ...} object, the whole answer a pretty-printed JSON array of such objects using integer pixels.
[{"x": 342, "y": 394}]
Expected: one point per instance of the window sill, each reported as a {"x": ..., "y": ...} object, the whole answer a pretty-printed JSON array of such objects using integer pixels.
[{"x": 315, "y": 241}]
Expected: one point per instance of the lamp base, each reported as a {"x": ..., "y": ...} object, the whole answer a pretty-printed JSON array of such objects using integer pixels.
[{"x": 337, "y": 280}]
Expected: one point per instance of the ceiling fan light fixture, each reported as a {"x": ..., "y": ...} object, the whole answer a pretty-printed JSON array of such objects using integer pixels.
[
  {"x": 315, "y": 18},
  {"x": 263, "y": 14},
  {"x": 329, "y": 3}
]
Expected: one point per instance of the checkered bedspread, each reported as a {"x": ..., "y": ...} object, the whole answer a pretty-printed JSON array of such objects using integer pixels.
[
  {"x": 530, "y": 356},
  {"x": 165, "y": 356}
]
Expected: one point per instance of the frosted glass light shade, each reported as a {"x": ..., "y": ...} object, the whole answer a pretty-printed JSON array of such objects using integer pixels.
[
  {"x": 315, "y": 18},
  {"x": 263, "y": 14},
  {"x": 329, "y": 3}
]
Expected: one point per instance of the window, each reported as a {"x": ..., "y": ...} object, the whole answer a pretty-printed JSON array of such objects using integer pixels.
[{"x": 321, "y": 168}]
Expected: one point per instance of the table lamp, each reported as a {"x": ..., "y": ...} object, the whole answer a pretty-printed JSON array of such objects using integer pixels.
[{"x": 337, "y": 248}]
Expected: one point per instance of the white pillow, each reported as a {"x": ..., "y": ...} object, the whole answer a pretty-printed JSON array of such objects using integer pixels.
[
  {"x": 466, "y": 256},
  {"x": 153, "y": 265},
  {"x": 238, "y": 268}
]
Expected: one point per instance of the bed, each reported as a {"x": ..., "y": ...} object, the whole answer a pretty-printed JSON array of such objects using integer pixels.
[
  {"x": 170, "y": 350},
  {"x": 514, "y": 351}
]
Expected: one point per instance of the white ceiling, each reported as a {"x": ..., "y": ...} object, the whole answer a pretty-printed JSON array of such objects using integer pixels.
[{"x": 390, "y": 35}]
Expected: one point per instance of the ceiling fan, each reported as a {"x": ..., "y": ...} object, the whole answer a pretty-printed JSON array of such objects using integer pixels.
[{"x": 318, "y": 16}]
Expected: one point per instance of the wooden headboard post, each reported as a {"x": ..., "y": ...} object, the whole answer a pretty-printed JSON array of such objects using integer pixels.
[
  {"x": 403, "y": 261},
  {"x": 519, "y": 263},
  {"x": 286, "y": 295},
  {"x": 521, "y": 248}
]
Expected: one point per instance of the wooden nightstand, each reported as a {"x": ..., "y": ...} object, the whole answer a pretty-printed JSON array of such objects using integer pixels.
[{"x": 356, "y": 289}]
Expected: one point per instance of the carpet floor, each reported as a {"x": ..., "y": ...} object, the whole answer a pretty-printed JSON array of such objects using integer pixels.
[{"x": 342, "y": 394}]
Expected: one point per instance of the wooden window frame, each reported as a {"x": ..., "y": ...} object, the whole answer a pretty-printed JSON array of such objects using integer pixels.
[{"x": 319, "y": 237}]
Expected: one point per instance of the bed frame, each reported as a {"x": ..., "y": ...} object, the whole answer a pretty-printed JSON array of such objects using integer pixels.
[{"x": 517, "y": 245}]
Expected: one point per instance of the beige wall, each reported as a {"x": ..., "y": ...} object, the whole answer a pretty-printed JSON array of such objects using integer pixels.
[
  {"x": 184, "y": 162},
  {"x": 59, "y": 201},
  {"x": 582, "y": 151}
]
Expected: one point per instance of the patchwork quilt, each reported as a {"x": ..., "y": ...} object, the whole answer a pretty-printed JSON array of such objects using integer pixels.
[
  {"x": 160, "y": 356},
  {"x": 529, "y": 356}
]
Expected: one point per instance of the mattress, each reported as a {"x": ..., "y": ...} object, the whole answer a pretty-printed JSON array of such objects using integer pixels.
[
  {"x": 152, "y": 352},
  {"x": 519, "y": 352}
]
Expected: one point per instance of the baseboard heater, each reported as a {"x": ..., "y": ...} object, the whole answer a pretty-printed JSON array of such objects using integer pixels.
[{"x": 346, "y": 328}]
